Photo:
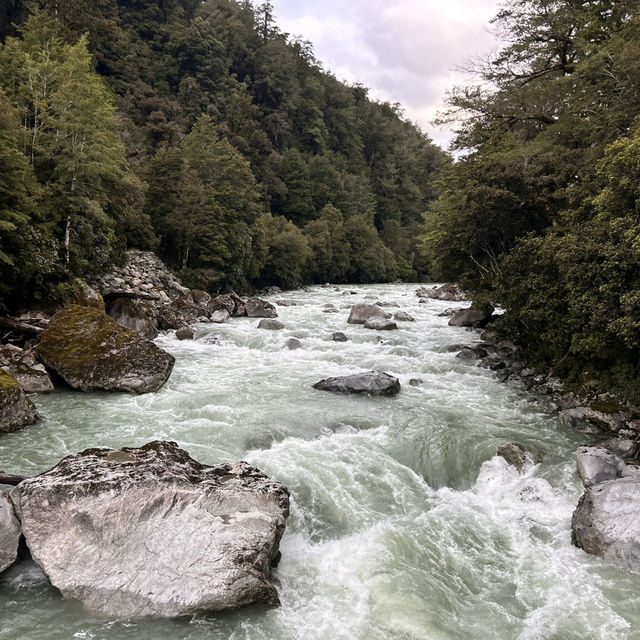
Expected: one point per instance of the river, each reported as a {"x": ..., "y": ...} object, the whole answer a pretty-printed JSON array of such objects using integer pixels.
[{"x": 404, "y": 523}]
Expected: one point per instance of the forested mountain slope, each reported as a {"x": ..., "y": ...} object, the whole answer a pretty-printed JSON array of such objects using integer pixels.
[
  {"x": 542, "y": 214},
  {"x": 199, "y": 130}
]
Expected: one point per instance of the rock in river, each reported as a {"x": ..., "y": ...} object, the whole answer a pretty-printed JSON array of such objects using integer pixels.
[
  {"x": 92, "y": 352},
  {"x": 257, "y": 308},
  {"x": 360, "y": 313},
  {"x": 152, "y": 532},
  {"x": 471, "y": 317},
  {"x": 16, "y": 410},
  {"x": 606, "y": 522},
  {"x": 374, "y": 383},
  {"x": 270, "y": 323},
  {"x": 380, "y": 324},
  {"x": 9, "y": 533}
]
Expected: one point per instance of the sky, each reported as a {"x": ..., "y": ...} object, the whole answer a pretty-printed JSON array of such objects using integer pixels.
[{"x": 406, "y": 51}]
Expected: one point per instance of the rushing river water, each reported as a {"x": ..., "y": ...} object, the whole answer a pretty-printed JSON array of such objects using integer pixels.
[{"x": 403, "y": 525}]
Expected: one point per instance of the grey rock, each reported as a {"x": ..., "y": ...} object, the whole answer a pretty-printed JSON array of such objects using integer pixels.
[
  {"x": 185, "y": 333},
  {"x": 360, "y": 313},
  {"x": 271, "y": 324},
  {"x": 220, "y": 316},
  {"x": 293, "y": 343},
  {"x": 403, "y": 316},
  {"x": 516, "y": 455},
  {"x": 9, "y": 533},
  {"x": 151, "y": 532},
  {"x": 257, "y": 308},
  {"x": 590, "y": 421},
  {"x": 22, "y": 365},
  {"x": 216, "y": 339},
  {"x": 16, "y": 410},
  {"x": 447, "y": 313},
  {"x": 329, "y": 308},
  {"x": 471, "y": 317},
  {"x": 624, "y": 447},
  {"x": 606, "y": 522},
  {"x": 370, "y": 297},
  {"x": 375, "y": 383},
  {"x": 447, "y": 292},
  {"x": 596, "y": 464},
  {"x": 286, "y": 303},
  {"x": 416, "y": 382},
  {"x": 380, "y": 324},
  {"x": 92, "y": 352},
  {"x": 169, "y": 318},
  {"x": 130, "y": 314},
  {"x": 339, "y": 337},
  {"x": 387, "y": 304},
  {"x": 422, "y": 301}
]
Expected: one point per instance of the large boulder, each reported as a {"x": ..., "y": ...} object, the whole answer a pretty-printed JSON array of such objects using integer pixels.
[
  {"x": 257, "y": 308},
  {"x": 403, "y": 316},
  {"x": 471, "y": 317},
  {"x": 16, "y": 410},
  {"x": 9, "y": 533},
  {"x": 380, "y": 324},
  {"x": 151, "y": 532},
  {"x": 596, "y": 464},
  {"x": 374, "y": 383},
  {"x": 91, "y": 352},
  {"x": 606, "y": 522},
  {"x": 360, "y": 313},
  {"x": 130, "y": 314},
  {"x": 22, "y": 365},
  {"x": 447, "y": 292}
]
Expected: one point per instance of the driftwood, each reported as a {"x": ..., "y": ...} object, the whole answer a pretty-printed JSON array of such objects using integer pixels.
[
  {"x": 21, "y": 326},
  {"x": 6, "y": 478}
]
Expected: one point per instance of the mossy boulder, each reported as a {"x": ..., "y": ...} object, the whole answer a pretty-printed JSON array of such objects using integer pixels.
[
  {"x": 16, "y": 410},
  {"x": 90, "y": 351}
]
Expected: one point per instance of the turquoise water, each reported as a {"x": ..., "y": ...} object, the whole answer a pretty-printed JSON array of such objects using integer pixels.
[{"x": 404, "y": 524}]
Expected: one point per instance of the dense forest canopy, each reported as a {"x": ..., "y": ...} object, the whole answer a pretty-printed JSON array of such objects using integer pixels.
[
  {"x": 542, "y": 213},
  {"x": 201, "y": 131}
]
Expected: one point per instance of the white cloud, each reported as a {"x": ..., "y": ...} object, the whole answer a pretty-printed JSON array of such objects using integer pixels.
[{"x": 406, "y": 51}]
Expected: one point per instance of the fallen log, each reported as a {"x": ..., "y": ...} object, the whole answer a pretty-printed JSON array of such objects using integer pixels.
[{"x": 17, "y": 325}]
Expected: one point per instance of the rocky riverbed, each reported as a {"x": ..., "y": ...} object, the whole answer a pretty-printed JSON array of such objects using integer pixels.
[{"x": 404, "y": 521}]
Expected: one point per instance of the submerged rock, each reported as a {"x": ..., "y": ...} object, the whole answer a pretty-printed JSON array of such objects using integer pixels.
[
  {"x": 9, "y": 533},
  {"x": 596, "y": 464},
  {"x": 606, "y": 522},
  {"x": 380, "y": 324},
  {"x": 16, "y": 410},
  {"x": 92, "y": 352},
  {"x": 292, "y": 344},
  {"x": 257, "y": 308},
  {"x": 271, "y": 324},
  {"x": 472, "y": 353},
  {"x": 151, "y": 532},
  {"x": 360, "y": 313},
  {"x": 374, "y": 383},
  {"x": 338, "y": 336}
]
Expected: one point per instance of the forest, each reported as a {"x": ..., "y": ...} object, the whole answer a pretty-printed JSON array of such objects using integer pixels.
[
  {"x": 541, "y": 214},
  {"x": 200, "y": 131}
]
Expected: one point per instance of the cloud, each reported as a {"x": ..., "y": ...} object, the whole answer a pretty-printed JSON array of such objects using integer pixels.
[{"x": 405, "y": 51}]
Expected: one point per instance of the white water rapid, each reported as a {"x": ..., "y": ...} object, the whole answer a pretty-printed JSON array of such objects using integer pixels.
[{"x": 404, "y": 524}]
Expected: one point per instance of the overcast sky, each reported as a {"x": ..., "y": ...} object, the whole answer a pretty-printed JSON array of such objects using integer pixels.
[{"x": 405, "y": 51}]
